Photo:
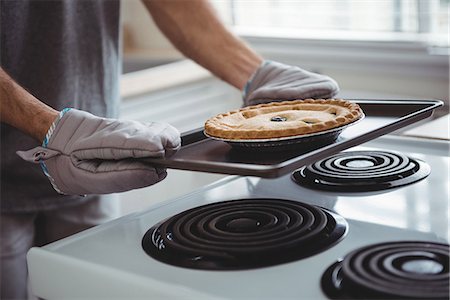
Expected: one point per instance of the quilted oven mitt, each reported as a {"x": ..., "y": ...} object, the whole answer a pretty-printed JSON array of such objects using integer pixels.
[
  {"x": 86, "y": 154},
  {"x": 275, "y": 81}
]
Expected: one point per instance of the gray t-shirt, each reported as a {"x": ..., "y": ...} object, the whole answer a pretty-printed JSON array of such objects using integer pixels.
[{"x": 67, "y": 54}]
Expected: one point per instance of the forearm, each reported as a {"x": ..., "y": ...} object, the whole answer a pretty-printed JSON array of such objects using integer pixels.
[
  {"x": 193, "y": 27},
  {"x": 22, "y": 110}
]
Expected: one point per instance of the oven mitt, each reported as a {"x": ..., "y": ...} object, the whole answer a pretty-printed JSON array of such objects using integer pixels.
[
  {"x": 275, "y": 81},
  {"x": 86, "y": 154}
]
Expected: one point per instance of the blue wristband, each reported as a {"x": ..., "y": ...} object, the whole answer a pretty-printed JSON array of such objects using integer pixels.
[
  {"x": 45, "y": 143},
  {"x": 53, "y": 126}
]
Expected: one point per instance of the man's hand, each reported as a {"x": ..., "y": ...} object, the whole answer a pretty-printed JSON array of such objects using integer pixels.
[
  {"x": 274, "y": 81},
  {"x": 86, "y": 154}
]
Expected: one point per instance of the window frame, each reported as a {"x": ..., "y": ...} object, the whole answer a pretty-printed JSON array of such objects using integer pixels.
[
  {"x": 381, "y": 56},
  {"x": 383, "y": 52}
]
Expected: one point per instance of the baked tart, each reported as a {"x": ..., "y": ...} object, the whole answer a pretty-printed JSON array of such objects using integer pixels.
[{"x": 283, "y": 119}]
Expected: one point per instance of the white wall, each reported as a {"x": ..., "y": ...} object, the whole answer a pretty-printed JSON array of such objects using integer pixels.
[{"x": 141, "y": 33}]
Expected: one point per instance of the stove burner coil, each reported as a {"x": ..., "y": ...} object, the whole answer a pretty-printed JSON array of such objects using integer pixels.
[
  {"x": 243, "y": 234},
  {"x": 362, "y": 171},
  {"x": 396, "y": 270}
]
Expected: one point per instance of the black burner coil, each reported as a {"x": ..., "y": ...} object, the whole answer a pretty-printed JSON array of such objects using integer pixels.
[
  {"x": 243, "y": 234},
  {"x": 362, "y": 171},
  {"x": 395, "y": 270}
]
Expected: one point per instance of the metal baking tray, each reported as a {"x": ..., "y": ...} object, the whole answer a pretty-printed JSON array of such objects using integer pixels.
[{"x": 201, "y": 153}]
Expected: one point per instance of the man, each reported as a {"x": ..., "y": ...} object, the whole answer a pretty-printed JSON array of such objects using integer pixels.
[{"x": 61, "y": 60}]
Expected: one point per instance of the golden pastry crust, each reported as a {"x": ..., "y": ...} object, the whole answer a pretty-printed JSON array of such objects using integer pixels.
[{"x": 283, "y": 119}]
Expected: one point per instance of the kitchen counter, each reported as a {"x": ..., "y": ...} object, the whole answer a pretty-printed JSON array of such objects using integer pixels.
[{"x": 438, "y": 129}]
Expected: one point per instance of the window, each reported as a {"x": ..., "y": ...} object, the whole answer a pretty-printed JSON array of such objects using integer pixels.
[{"x": 392, "y": 20}]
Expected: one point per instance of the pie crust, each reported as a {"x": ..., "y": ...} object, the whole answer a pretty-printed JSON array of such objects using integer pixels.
[{"x": 283, "y": 119}]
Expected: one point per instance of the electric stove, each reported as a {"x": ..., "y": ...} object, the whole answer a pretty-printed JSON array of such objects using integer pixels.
[{"x": 379, "y": 231}]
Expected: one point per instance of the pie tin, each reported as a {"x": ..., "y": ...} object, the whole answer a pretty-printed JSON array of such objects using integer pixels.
[{"x": 304, "y": 141}]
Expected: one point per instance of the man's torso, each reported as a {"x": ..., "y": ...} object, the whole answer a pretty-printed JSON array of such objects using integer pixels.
[{"x": 67, "y": 54}]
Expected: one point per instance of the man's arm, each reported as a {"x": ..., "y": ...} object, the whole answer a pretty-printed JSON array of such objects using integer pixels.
[
  {"x": 22, "y": 110},
  {"x": 104, "y": 149},
  {"x": 194, "y": 28}
]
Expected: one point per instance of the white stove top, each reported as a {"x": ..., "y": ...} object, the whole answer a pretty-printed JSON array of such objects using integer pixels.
[{"x": 108, "y": 260}]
